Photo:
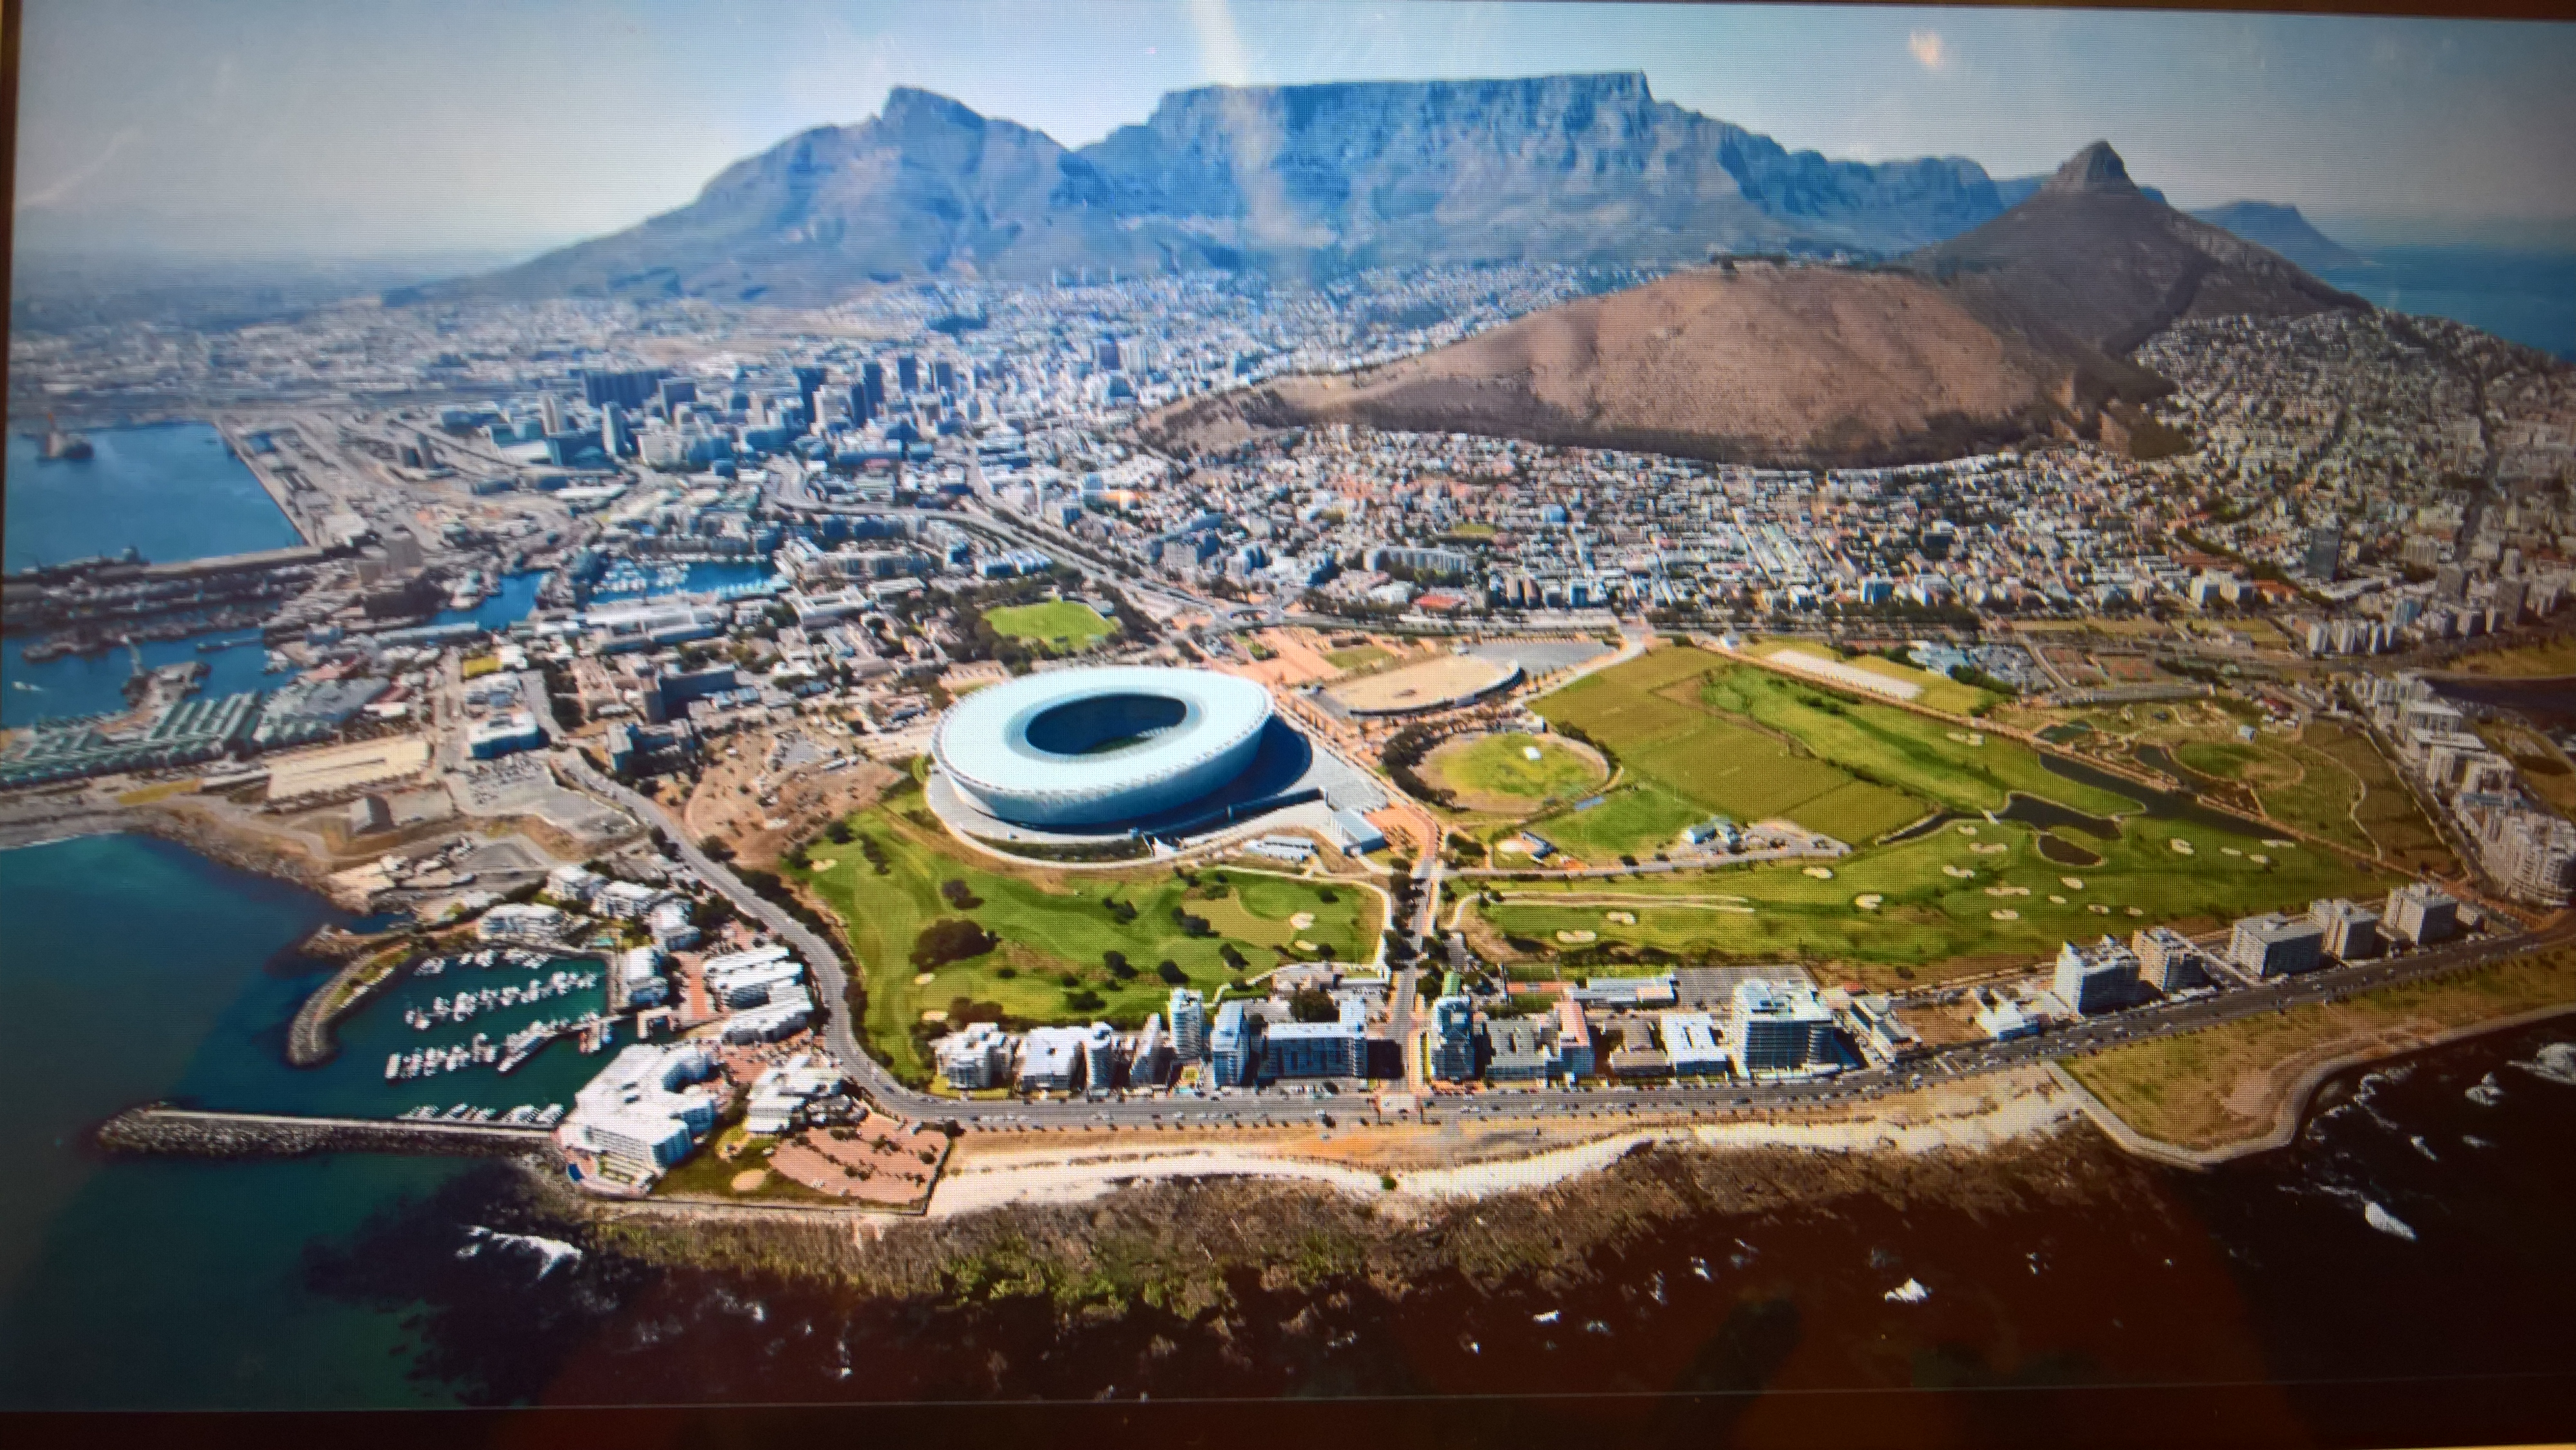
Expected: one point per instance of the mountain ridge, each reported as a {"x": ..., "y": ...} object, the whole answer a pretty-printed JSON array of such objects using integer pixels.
[
  {"x": 1319, "y": 178},
  {"x": 2020, "y": 326}
]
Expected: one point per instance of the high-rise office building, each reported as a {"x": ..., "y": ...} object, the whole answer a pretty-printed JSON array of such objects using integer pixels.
[
  {"x": 612, "y": 431},
  {"x": 872, "y": 378},
  {"x": 907, "y": 372},
  {"x": 943, "y": 375},
  {"x": 2322, "y": 551},
  {"x": 550, "y": 412},
  {"x": 1188, "y": 1011}
]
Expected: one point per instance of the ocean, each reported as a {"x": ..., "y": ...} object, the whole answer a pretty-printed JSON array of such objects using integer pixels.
[
  {"x": 2416, "y": 1227},
  {"x": 2528, "y": 297},
  {"x": 170, "y": 490}
]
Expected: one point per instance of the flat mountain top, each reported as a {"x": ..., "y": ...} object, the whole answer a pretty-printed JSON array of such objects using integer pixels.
[
  {"x": 1310, "y": 179},
  {"x": 2021, "y": 325}
]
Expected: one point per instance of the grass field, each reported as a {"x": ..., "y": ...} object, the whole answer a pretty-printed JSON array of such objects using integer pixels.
[
  {"x": 1062, "y": 625},
  {"x": 1494, "y": 772},
  {"x": 1055, "y": 924},
  {"x": 1901, "y": 750},
  {"x": 1357, "y": 657},
  {"x": 1940, "y": 692},
  {"x": 2207, "y": 1089},
  {"x": 1927, "y": 920},
  {"x": 1704, "y": 737}
]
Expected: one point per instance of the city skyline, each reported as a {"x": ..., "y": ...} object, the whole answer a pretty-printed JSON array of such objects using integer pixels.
[{"x": 284, "y": 130}]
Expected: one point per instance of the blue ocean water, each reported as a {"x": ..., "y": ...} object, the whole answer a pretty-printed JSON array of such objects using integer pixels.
[
  {"x": 171, "y": 490},
  {"x": 136, "y": 971},
  {"x": 2528, "y": 297}
]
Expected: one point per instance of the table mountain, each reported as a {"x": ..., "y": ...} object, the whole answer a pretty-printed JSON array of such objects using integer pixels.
[{"x": 1317, "y": 178}]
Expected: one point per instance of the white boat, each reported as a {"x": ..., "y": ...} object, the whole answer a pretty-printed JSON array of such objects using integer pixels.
[{"x": 393, "y": 1066}]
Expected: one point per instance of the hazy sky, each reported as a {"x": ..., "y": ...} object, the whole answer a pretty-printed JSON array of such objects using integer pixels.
[{"x": 368, "y": 127}]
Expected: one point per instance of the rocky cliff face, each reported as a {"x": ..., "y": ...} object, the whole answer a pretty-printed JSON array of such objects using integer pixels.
[{"x": 1575, "y": 168}]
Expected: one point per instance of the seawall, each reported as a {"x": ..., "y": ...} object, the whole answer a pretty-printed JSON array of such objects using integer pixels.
[{"x": 198, "y": 1133}]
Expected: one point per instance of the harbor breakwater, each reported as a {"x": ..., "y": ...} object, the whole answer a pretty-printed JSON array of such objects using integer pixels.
[{"x": 197, "y": 1133}]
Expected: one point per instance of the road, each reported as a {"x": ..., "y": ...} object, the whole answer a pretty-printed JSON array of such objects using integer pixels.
[{"x": 1277, "y": 1106}]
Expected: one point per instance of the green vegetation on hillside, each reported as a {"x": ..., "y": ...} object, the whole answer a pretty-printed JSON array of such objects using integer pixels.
[
  {"x": 1065, "y": 946},
  {"x": 1062, "y": 625}
]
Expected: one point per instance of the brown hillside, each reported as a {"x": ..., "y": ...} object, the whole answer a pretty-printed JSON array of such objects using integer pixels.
[
  {"x": 1757, "y": 362},
  {"x": 2022, "y": 325}
]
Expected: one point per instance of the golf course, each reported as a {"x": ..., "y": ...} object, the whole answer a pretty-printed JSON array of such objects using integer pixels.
[
  {"x": 1698, "y": 736},
  {"x": 937, "y": 928}
]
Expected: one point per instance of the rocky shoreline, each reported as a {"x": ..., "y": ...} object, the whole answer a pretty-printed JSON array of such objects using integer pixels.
[{"x": 1177, "y": 1245}]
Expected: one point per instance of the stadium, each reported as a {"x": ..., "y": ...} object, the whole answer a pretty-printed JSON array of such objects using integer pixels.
[{"x": 1070, "y": 749}]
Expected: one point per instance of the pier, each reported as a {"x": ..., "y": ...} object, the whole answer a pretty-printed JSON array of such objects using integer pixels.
[{"x": 204, "y": 1133}]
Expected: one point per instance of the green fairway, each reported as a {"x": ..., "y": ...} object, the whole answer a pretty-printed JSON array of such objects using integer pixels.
[
  {"x": 1927, "y": 920},
  {"x": 1062, "y": 625},
  {"x": 1496, "y": 772},
  {"x": 1933, "y": 761},
  {"x": 1636, "y": 820},
  {"x": 1052, "y": 924}
]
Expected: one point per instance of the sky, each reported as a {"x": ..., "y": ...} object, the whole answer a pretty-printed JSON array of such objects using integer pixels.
[{"x": 379, "y": 128}]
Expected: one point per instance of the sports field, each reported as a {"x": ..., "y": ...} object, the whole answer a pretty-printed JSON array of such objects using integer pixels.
[
  {"x": 1055, "y": 925},
  {"x": 1973, "y": 895},
  {"x": 1062, "y": 625},
  {"x": 1435, "y": 681},
  {"x": 1496, "y": 773},
  {"x": 1357, "y": 657}
]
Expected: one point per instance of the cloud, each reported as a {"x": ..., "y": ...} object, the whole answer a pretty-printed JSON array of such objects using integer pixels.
[{"x": 1928, "y": 49}]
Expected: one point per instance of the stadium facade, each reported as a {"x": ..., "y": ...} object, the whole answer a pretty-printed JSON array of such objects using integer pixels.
[{"x": 1088, "y": 747}]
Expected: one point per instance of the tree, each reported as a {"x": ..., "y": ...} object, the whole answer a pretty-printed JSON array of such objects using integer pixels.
[
  {"x": 1118, "y": 965},
  {"x": 950, "y": 939},
  {"x": 1313, "y": 1004}
]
